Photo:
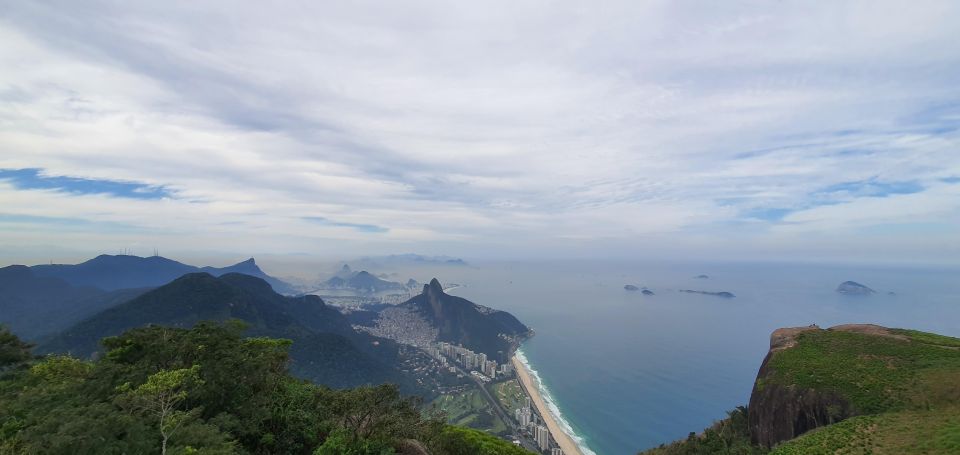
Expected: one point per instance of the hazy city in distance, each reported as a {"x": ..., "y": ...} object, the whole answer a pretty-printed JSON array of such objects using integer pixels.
[{"x": 440, "y": 228}]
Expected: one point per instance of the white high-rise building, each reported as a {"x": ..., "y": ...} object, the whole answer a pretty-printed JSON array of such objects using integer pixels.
[
  {"x": 556, "y": 451},
  {"x": 523, "y": 416},
  {"x": 542, "y": 436},
  {"x": 490, "y": 368}
]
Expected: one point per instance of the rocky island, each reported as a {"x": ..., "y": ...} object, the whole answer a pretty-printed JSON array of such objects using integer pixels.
[
  {"x": 854, "y": 288},
  {"x": 723, "y": 294},
  {"x": 630, "y": 287},
  {"x": 647, "y": 292}
]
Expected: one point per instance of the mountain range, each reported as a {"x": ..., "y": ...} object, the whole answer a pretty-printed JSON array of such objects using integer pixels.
[
  {"x": 40, "y": 300},
  {"x": 70, "y": 308},
  {"x": 361, "y": 281},
  {"x": 325, "y": 348},
  {"x": 33, "y": 306},
  {"x": 112, "y": 272}
]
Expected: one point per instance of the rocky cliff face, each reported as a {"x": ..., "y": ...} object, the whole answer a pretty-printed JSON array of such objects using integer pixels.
[{"x": 778, "y": 412}]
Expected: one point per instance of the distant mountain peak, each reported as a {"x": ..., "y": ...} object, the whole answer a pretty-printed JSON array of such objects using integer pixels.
[
  {"x": 113, "y": 272},
  {"x": 461, "y": 321},
  {"x": 433, "y": 289}
]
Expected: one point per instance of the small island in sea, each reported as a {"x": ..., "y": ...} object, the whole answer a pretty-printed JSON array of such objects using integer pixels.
[
  {"x": 854, "y": 288},
  {"x": 723, "y": 294},
  {"x": 647, "y": 292},
  {"x": 630, "y": 287}
]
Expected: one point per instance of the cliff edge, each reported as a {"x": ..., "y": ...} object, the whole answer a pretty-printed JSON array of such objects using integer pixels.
[{"x": 813, "y": 377}]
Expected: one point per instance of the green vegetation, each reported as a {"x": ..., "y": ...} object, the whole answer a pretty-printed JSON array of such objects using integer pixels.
[
  {"x": 875, "y": 373},
  {"x": 905, "y": 384},
  {"x": 928, "y": 338},
  {"x": 469, "y": 409},
  {"x": 922, "y": 432},
  {"x": 12, "y": 350},
  {"x": 326, "y": 349},
  {"x": 207, "y": 390},
  {"x": 465, "y": 441},
  {"x": 730, "y": 436},
  {"x": 509, "y": 394}
]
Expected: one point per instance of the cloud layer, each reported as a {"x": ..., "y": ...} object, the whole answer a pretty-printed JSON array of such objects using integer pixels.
[{"x": 743, "y": 130}]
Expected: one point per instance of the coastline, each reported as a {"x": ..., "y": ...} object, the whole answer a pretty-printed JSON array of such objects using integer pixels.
[{"x": 532, "y": 386}]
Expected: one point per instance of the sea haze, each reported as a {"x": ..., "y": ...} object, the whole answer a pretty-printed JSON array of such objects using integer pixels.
[{"x": 630, "y": 371}]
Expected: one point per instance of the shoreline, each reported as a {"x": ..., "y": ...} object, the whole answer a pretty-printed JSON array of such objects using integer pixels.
[{"x": 532, "y": 387}]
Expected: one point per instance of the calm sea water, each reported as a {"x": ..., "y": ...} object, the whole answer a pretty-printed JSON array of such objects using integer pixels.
[{"x": 629, "y": 372}]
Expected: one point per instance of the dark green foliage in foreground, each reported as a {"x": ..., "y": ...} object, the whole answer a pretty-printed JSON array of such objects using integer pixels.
[
  {"x": 205, "y": 390},
  {"x": 730, "y": 436},
  {"x": 467, "y": 441},
  {"x": 12, "y": 350}
]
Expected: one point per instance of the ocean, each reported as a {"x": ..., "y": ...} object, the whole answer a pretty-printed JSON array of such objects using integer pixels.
[{"x": 628, "y": 372}]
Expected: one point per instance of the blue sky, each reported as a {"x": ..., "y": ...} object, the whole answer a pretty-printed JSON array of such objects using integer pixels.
[
  {"x": 667, "y": 129},
  {"x": 34, "y": 179}
]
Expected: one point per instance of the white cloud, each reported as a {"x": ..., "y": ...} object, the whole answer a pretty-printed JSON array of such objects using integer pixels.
[{"x": 483, "y": 129}]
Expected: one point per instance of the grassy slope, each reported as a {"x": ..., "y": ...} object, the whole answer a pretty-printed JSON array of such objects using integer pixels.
[
  {"x": 465, "y": 409},
  {"x": 904, "y": 432},
  {"x": 877, "y": 374},
  {"x": 509, "y": 394},
  {"x": 909, "y": 392}
]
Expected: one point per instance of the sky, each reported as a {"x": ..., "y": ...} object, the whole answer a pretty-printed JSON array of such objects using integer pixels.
[{"x": 788, "y": 130}]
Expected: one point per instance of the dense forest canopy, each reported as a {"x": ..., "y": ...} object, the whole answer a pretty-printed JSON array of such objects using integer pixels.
[{"x": 206, "y": 390}]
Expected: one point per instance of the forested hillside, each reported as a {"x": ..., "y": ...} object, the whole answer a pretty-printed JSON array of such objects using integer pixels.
[{"x": 206, "y": 390}]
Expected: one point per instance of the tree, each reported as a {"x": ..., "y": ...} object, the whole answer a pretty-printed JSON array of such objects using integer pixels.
[
  {"x": 160, "y": 398},
  {"x": 12, "y": 349},
  {"x": 378, "y": 412}
]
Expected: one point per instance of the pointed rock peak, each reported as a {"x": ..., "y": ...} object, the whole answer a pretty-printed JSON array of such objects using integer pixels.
[
  {"x": 248, "y": 265},
  {"x": 433, "y": 288},
  {"x": 345, "y": 268}
]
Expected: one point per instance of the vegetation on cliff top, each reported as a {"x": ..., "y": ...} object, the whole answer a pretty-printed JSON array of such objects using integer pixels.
[
  {"x": 905, "y": 432},
  {"x": 206, "y": 390},
  {"x": 904, "y": 383},
  {"x": 875, "y": 373}
]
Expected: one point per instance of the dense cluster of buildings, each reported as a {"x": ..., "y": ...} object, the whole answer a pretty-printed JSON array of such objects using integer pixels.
[
  {"x": 403, "y": 325},
  {"x": 530, "y": 422},
  {"x": 477, "y": 362}
]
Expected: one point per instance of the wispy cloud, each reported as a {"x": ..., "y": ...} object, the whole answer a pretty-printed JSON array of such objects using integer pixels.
[
  {"x": 487, "y": 129},
  {"x": 359, "y": 227}
]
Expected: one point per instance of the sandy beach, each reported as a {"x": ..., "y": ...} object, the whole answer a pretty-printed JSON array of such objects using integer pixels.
[{"x": 530, "y": 384}]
